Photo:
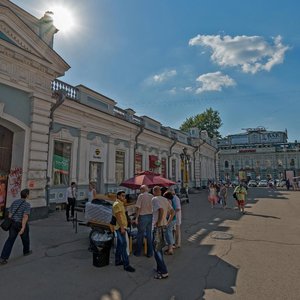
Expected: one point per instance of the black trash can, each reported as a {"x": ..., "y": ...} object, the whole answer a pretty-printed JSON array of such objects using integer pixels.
[{"x": 100, "y": 245}]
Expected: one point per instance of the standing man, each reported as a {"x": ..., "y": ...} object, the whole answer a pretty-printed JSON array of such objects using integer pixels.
[
  {"x": 178, "y": 220},
  {"x": 118, "y": 209},
  {"x": 161, "y": 209},
  {"x": 241, "y": 194},
  {"x": 19, "y": 211},
  {"x": 71, "y": 200},
  {"x": 144, "y": 221}
]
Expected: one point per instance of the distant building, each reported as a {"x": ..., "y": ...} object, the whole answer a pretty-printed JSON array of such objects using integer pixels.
[{"x": 258, "y": 154}]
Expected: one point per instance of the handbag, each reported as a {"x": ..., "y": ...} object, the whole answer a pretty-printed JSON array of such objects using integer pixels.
[
  {"x": 7, "y": 222},
  {"x": 234, "y": 195}
]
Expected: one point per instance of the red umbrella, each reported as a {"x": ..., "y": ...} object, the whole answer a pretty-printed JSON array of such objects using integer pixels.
[{"x": 148, "y": 178}]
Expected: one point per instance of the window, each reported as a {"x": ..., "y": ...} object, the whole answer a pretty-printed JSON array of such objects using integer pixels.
[
  {"x": 61, "y": 163},
  {"x": 292, "y": 162},
  {"x": 226, "y": 164},
  {"x": 153, "y": 159},
  {"x": 138, "y": 163},
  {"x": 120, "y": 166}
]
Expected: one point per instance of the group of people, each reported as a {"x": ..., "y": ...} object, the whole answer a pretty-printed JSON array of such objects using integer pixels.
[
  {"x": 218, "y": 193},
  {"x": 157, "y": 215}
]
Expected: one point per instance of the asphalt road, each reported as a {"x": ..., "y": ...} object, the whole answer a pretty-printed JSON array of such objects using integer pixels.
[{"x": 224, "y": 255}]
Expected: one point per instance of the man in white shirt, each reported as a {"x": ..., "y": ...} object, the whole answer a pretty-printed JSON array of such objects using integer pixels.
[
  {"x": 71, "y": 200},
  {"x": 144, "y": 221},
  {"x": 163, "y": 214}
]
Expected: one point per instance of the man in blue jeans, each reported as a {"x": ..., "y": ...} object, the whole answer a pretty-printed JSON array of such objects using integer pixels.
[
  {"x": 19, "y": 212},
  {"x": 163, "y": 214},
  {"x": 144, "y": 221},
  {"x": 121, "y": 256}
]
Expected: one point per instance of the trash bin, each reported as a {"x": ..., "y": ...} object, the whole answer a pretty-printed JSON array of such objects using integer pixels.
[{"x": 100, "y": 245}]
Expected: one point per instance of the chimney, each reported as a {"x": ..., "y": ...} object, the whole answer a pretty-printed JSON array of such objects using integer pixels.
[{"x": 47, "y": 29}]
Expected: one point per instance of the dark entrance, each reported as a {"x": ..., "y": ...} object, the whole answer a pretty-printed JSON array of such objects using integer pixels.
[{"x": 6, "y": 140}]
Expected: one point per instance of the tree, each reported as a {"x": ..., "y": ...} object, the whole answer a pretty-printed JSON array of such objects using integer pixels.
[{"x": 209, "y": 120}]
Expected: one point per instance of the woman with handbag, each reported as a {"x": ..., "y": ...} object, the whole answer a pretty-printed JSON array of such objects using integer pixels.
[{"x": 19, "y": 212}]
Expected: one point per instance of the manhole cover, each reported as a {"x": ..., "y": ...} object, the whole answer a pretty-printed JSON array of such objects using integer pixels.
[{"x": 221, "y": 236}]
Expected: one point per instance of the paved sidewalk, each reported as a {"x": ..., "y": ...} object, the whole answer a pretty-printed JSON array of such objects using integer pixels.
[{"x": 224, "y": 256}]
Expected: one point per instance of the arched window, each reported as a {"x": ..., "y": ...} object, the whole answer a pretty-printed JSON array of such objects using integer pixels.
[{"x": 226, "y": 164}]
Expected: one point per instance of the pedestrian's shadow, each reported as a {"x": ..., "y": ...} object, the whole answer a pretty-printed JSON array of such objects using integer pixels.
[{"x": 262, "y": 216}]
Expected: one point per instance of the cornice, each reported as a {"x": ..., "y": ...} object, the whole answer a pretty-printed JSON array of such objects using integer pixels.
[{"x": 27, "y": 40}]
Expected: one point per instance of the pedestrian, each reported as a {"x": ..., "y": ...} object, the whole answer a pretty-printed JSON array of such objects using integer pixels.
[
  {"x": 91, "y": 192},
  {"x": 143, "y": 219},
  {"x": 71, "y": 200},
  {"x": 178, "y": 220},
  {"x": 118, "y": 210},
  {"x": 212, "y": 196},
  {"x": 19, "y": 211},
  {"x": 170, "y": 227},
  {"x": 161, "y": 208},
  {"x": 223, "y": 195},
  {"x": 288, "y": 184},
  {"x": 241, "y": 194}
]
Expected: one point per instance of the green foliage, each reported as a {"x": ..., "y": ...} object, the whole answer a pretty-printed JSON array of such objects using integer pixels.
[{"x": 209, "y": 120}]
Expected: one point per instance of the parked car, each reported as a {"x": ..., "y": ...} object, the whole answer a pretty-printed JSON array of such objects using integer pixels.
[
  {"x": 252, "y": 183},
  {"x": 263, "y": 183},
  {"x": 281, "y": 183}
]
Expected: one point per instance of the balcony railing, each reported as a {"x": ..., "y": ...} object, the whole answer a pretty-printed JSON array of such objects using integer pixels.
[{"x": 72, "y": 92}]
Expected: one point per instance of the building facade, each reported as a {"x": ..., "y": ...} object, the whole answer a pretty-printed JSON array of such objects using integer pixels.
[
  {"x": 258, "y": 154},
  {"x": 53, "y": 133}
]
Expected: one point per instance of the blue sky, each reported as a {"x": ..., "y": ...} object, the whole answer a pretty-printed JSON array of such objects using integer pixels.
[{"x": 172, "y": 59}]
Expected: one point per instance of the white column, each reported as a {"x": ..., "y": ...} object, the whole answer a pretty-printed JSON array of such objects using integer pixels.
[
  {"x": 83, "y": 162},
  {"x": 110, "y": 163}
]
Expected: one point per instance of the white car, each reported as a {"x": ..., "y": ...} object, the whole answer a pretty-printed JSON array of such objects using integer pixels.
[
  {"x": 263, "y": 183},
  {"x": 252, "y": 183},
  {"x": 281, "y": 183}
]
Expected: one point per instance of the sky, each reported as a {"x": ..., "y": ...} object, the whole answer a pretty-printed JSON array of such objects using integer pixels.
[{"x": 173, "y": 59}]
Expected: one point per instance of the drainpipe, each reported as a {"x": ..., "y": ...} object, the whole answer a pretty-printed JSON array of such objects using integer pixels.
[
  {"x": 60, "y": 96},
  {"x": 194, "y": 156},
  {"x": 169, "y": 156},
  {"x": 136, "y": 145}
]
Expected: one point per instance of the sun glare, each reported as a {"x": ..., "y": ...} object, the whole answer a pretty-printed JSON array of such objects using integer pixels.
[{"x": 63, "y": 18}]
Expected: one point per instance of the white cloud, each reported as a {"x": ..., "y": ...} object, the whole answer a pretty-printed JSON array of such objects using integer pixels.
[
  {"x": 188, "y": 89},
  {"x": 162, "y": 77},
  {"x": 214, "y": 82},
  {"x": 173, "y": 91},
  {"x": 251, "y": 53}
]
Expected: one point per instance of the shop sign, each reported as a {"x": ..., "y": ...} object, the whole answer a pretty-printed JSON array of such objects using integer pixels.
[{"x": 96, "y": 153}]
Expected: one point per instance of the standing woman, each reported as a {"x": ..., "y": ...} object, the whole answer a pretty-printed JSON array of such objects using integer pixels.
[
  {"x": 19, "y": 211},
  {"x": 92, "y": 192},
  {"x": 212, "y": 197}
]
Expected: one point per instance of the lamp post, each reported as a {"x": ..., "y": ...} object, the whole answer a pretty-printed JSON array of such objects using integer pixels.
[{"x": 185, "y": 159}]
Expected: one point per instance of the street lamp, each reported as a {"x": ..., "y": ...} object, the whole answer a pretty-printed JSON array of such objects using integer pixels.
[{"x": 185, "y": 160}]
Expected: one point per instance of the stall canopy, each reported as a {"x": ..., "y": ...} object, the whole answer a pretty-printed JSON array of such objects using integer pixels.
[{"x": 148, "y": 178}]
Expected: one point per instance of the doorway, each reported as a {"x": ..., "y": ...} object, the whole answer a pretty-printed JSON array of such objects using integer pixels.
[
  {"x": 96, "y": 176},
  {"x": 6, "y": 140}
]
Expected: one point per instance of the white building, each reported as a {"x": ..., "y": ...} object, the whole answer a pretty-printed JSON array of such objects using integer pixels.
[{"x": 53, "y": 133}]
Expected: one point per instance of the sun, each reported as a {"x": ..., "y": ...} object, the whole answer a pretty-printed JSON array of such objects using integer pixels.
[{"x": 63, "y": 18}]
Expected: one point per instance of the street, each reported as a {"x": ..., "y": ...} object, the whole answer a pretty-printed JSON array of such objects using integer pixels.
[{"x": 224, "y": 255}]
